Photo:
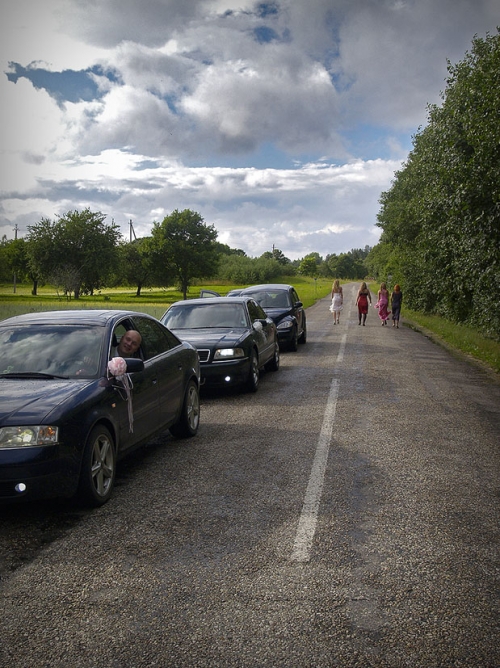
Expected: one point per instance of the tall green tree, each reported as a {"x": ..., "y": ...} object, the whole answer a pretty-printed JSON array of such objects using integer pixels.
[
  {"x": 184, "y": 247},
  {"x": 441, "y": 216},
  {"x": 136, "y": 265},
  {"x": 78, "y": 252}
]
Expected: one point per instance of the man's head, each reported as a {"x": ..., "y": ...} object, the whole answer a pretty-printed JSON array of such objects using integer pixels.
[{"x": 129, "y": 343}]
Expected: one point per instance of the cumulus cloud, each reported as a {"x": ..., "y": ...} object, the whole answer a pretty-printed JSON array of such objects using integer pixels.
[{"x": 280, "y": 122}]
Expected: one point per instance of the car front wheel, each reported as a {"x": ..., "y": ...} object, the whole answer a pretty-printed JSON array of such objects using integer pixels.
[
  {"x": 294, "y": 343},
  {"x": 303, "y": 336},
  {"x": 189, "y": 420},
  {"x": 97, "y": 476}
]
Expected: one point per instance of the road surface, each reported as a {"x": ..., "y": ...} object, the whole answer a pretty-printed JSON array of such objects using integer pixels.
[{"x": 347, "y": 514}]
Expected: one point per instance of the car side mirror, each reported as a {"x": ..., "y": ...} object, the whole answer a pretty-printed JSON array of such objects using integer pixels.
[
  {"x": 298, "y": 304},
  {"x": 134, "y": 364}
]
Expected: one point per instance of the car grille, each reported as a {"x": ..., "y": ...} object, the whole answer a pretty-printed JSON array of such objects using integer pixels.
[{"x": 204, "y": 355}]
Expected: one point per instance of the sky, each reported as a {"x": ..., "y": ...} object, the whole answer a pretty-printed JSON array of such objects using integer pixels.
[{"x": 280, "y": 123}]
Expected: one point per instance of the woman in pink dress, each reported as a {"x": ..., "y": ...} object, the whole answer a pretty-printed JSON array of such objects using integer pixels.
[{"x": 383, "y": 304}]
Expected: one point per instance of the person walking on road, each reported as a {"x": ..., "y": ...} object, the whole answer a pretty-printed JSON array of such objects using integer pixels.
[
  {"x": 337, "y": 301},
  {"x": 364, "y": 295},
  {"x": 396, "y": 301},
  {"x": 383, "y": 304}
]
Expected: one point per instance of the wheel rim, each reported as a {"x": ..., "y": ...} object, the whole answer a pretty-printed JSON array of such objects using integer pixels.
[
  {"x": 193, "y": 408},
  {"x": 103, "y": 465}
]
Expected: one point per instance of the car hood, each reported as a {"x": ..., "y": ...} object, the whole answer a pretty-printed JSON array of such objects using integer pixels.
[
  {"x": 277, "y": 314},
  {"x": 210, "y": 337},
  {"x": 25, "y": 402}
]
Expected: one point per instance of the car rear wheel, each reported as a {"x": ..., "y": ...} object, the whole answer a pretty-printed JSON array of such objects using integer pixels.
[
  {"x": 97, "y": 476},
  {"x": 274, "y": 363},
  {"x": 252, "y": 384},
  {"x": 189, "y": 420}
]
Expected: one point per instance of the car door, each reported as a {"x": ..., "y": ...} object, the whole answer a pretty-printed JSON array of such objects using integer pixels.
[
  {"x": 164, "y": 356},
  {"x": 264, "y": 331},
  {"x": 143, "y": 396},
  {"x": 298, "y": 309}
]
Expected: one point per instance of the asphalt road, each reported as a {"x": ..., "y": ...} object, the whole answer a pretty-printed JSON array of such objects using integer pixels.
[{"x": 347, "y": 514}]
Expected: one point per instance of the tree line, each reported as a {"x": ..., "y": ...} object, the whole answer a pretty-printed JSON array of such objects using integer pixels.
[
  {"x": 441, "y": 216},
  {"x": 79, "y": 254}
]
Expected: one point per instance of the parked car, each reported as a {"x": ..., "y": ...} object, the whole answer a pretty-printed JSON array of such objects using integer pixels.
[
  {"x": 68, "y": 413},
  {"x": 211, "y": 293},
  {"x": 233, "y": 336},
  {"x": 281, "y": 303}
]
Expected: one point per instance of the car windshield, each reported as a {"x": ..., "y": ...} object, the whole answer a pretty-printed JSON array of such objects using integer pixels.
[
  {"x": 59, "y": 350},
  {"x": 272, "y": 299},
  {"x": 198, "y": 316}
]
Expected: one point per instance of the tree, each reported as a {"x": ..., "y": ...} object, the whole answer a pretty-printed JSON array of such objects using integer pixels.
[
  {"x": 136, "y": 266},
  {"x": 78, "y": 251},
  {"x": 41, "y": 252},
  {"x": 309, "y": 265},
  {"x": 441, "y": 216},
  {"x": 184, "y": 247},
  {"x": 277, "y": 255}
]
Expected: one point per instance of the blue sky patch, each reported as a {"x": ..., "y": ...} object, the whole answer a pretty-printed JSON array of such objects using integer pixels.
[
  {"x": 263, "y": 34},
  {"x": 65, "y": 86}
]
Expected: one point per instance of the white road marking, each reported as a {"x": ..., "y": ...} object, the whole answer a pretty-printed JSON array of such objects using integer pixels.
[{"x": 309, "y": 515}]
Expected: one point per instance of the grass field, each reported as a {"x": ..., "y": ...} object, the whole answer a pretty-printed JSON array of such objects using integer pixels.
[
  {"x": 156, "y": 301},
  {"x": 152, "y": 301}
]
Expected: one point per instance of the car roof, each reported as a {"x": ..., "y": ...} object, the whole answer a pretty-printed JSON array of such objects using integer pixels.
[
  {"x": 267, "y": 286},
  {"x": 205, "y": 301},
  {"x": 97, "y": 317}
]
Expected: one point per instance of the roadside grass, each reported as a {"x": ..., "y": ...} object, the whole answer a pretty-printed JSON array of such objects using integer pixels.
[
  {"x": 154, "y": 301},
  {"x": 456, "y": 337}
]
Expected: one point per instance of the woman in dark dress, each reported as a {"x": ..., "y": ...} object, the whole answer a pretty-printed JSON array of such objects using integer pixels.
[
  {"x": 396, "y": 300},
  {"x": 362, "y": 299}
]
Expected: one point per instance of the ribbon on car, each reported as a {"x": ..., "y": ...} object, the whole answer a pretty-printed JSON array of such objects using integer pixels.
[{"x": 117, "y": 367}]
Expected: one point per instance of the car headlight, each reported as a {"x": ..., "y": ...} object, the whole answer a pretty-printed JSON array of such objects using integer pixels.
[
  {"x": 26, "y": 437},
  {"x": 286, "y": 324},
  {"x": 228, "y": 354}
]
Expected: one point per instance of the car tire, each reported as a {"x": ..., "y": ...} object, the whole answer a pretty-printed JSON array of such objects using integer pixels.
[
  {"x": 97, "y": 475},
  {"x": 252, "y": 384},
  {"x": 294, "y": 343},
  {"x": 189, "y": 420},
  {"x": 274, "y": 363},
  {"x": 303, "y": 336}
]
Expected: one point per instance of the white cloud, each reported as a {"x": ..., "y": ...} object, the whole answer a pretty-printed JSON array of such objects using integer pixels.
[{"x": 287, "y": 141}]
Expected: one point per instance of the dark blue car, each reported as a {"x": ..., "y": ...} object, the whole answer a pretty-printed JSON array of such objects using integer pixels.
[
  {"x": 281, "y": 303},
  {"x": 233, "y": 335},
  {"x": 65, "y": 419}
]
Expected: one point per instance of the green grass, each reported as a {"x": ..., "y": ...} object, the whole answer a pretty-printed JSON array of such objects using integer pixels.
[
  {"x": 153, "y": 301},
  {"x": 459, "y": 338}
]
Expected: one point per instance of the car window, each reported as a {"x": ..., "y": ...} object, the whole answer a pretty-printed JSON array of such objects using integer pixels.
[
  {"x": 280, "y": 299},
  {"x": 295, "y": 297},
  {"x": 52, "y": 349},
  {"x": 155, "y": 339},
  {"x": 255, "y": 311},
  {"x": 198, "y": 316}
]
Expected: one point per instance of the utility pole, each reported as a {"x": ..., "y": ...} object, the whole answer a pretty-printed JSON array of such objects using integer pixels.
[{"x": 132, "y": 232}]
